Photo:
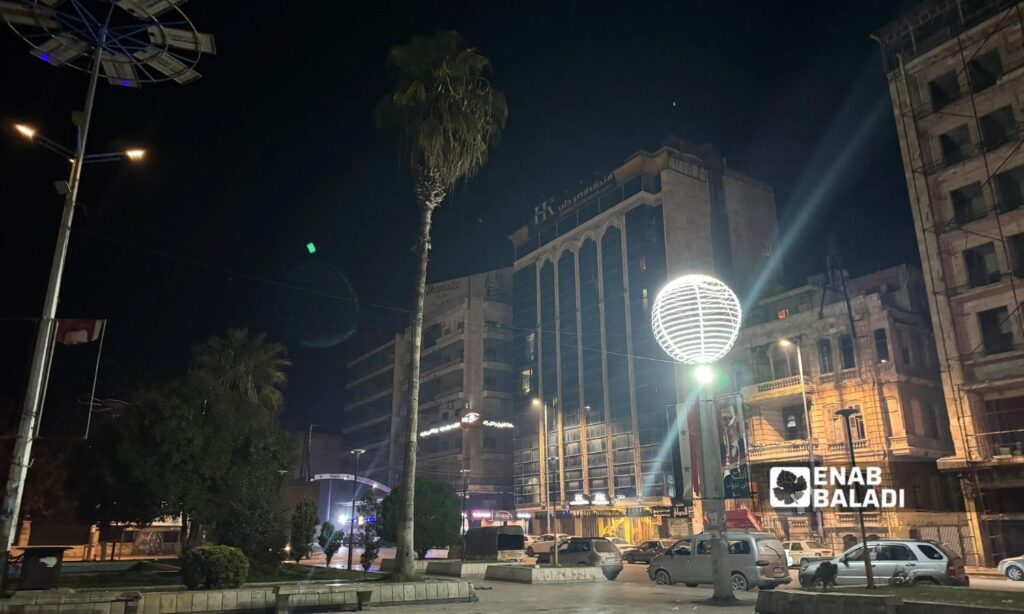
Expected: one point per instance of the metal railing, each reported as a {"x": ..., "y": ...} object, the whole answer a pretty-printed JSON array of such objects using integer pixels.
[{"x": 999, "y": 444}]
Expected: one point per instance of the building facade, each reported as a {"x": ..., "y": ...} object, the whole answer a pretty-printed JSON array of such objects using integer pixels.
[
  {"x": 465, "y": 403},
  {"x": 885, "y": 366},
  {"x": 956, "y": 85},
  {"x": 587, "y": 269}
]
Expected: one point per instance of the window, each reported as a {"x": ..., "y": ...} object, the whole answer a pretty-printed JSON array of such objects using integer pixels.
[
  {"x": 996, "y": 335},
  {"x": 857, "y": 427},
  {"x": 858, "y": 553},
  {"x": 825, "y": 356},
  {"x": 955, "y": 145},
  {"x": 968, "y": 203},
  {"x": 930, "y": 552},
  {"x": 1010, "y": 189},
  {"x": 525, "y": 378},
  {"x": 944, "y": 89},
  {"x": 881, "y": 345},
  {"x": 846, "y": 351},
  {"x": 490, "y": 443},
  {"x": 982, "y": 266},
  {"x": 704, "y": 546},
  {"x": 895, "y": 552},
  {"x": 682, "y": 548},
  {"x": 796, "y": 547},
  {"x": 793, "y": 421},
  {"x": 739, "y": 546},
  {"x": 782, "y": 314},
  {"x": 908, "y": 359},
  {"x": 998, "y": 128},
  {"x": 984, "y": 70},
  {"x": 1017, "y": 254},
  {"x": 602, "y": 545},
  {"x": 931, "y": 421}
]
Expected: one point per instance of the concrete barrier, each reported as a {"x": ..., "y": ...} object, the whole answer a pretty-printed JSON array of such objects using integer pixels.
[
  {"x": 421, "y": 564},
  {"x": 543, "y": 575},
  {"x": 460, "y": 569},
  {"x": 925, "y": 607},
  {"x": 261, "y": 600},
  {"x": 795, "y": 602}
]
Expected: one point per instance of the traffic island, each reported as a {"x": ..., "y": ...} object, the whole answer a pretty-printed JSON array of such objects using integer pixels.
[
  {"x": 894, "y": 600},
  {"x": 462, "y": 569},
  {"x": 543, "y": 575}
]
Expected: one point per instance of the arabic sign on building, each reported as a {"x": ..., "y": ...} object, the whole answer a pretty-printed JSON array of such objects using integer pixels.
[{"x": 552, "y": 206}]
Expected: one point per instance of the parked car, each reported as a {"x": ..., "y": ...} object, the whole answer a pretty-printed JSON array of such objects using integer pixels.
[
  {"x": 800, "y": 553},
  {"x": 1013, "y": 568},
  {"x": 621, "y": 544},
  {"x": 544, "y": 543},
  {"x": 591, "y": 551},
  {"x": 756, "y": 559},
  {"x": 924, "y": 562},
  {"x": 647, "y": 550}
]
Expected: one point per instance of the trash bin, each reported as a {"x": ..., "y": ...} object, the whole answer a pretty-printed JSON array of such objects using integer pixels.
[{"x": 40, "y": 567}]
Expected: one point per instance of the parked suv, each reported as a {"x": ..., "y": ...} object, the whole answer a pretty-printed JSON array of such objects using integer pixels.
[
  {"x": 647, "y": 550},
  {"x": 923, "y": 562},
  {"x": 590, "y": 551},
  {"x": 754, "y": 559},
  {"x": 544, "y": 543}
]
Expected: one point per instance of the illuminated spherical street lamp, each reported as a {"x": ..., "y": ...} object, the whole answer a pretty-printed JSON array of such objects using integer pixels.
[{"x": 696, "y": 319}]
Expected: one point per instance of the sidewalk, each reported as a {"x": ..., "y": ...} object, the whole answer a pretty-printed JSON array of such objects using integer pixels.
[
  {"x": 596, "y": 598},
  {"x": 983, "y": 572}
]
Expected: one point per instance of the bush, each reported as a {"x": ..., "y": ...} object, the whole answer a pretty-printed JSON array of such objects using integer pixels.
[{"x": 214, "y": 567}]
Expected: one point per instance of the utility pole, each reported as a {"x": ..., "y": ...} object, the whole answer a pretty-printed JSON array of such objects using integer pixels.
[
  {"x": 846, "y": 413},
  {"x": 465, "y": 497},
  {"x": 352, "y": 514}
]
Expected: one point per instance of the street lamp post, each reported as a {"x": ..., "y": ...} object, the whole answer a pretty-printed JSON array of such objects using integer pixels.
[
  {"x": 846, "y": 413},
  {"x": 547, "y": 488},
  {"x": 154, "y": 42},
  {"x": 696, "y": 320},
  {"x": 465, "y": 497},
  {"x": 786, "y": 343},
  {"x": 352, "y": 514}
]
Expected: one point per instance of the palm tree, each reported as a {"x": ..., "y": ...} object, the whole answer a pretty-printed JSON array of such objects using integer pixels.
[
  {"x": 449, "y": 116},
  {"x": 243, "y": 362}
]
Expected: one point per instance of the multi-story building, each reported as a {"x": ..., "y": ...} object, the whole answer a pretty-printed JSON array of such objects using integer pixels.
[
  {"x": 587, "y": 269},
  {"x": 956, "y": 83},
  {"x": 885, "y": 366},
  {"x": 465, "y": 398}
]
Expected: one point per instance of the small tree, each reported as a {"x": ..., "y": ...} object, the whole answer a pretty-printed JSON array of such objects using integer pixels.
[
  {"x": 330, "y": 541},
  {"x": 438, "y": 515},
  {"x": 304, "y": 520},
  {"x": 369, "y": 508}
]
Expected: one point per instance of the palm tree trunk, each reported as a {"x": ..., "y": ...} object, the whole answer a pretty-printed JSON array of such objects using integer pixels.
[{"x": 405, "y": 558}]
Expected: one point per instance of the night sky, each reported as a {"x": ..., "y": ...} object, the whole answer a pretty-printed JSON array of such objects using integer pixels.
[{"x": 275, "y": 147}]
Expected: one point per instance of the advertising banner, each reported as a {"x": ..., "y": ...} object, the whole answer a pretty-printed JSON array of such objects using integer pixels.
[{"x": 732, "y": 443}]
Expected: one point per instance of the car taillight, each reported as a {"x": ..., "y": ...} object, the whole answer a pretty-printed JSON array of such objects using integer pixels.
[
  {"x": 951, "y": 569},
  {"x": 762, "y": 563}
]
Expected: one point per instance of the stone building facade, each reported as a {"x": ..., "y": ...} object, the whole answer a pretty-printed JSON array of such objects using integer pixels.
[
  {"x": 955, "y": 78},
  {"x": 885, "y": 367}
]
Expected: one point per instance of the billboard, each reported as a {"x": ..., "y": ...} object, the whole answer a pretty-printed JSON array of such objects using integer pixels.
[{"x": 732, "y": 445}]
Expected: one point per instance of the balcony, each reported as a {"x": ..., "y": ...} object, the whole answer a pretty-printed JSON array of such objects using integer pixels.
[
  {"x": 850, "y": 519},
  {"x": 777, "y": 392},
  {"x": 858, "y": 445},
  {"x": 1003, "y": 447},
  {"x": 790, "y": 450}
]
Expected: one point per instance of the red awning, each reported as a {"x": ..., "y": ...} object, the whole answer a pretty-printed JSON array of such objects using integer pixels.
[{"x": 741, "y": 519}]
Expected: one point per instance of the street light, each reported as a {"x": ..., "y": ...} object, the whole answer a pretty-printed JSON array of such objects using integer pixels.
[
  {"x": 846, "y": 413},
  {"x": 696, "y": 320},
  {"x": 543, "y": 442},
  {"x": 352, "y": 514},
  {"x": 151, "y": 37},
  {"x": 786, "y": 343},
  {"x": 465, "y": 497}
]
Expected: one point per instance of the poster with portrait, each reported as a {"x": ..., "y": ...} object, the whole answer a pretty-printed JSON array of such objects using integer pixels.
[{"x": 732, "y": 443}]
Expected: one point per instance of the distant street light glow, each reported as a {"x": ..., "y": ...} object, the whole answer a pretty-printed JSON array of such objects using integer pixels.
[
  {"x": 135, "y": 154},
  {"x": 26, "y": 131},
  {"x": 311, "y": 247}
]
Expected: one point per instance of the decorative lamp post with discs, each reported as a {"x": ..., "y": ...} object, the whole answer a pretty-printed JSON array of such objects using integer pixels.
[
  {"x": 696, "y": 319},
  {"x": 128, "y": 43}
]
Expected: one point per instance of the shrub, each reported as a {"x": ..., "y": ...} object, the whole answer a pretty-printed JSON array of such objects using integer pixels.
[{"x": 214, "y": 567}]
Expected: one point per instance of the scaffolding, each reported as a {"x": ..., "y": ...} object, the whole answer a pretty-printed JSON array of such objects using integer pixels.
[{"x": 972, "y": 31}]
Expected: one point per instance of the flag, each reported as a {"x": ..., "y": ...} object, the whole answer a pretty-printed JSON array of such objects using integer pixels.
[{"x": 76, "y": 332}]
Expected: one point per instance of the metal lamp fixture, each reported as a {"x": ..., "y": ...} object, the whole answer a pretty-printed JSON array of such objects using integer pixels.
[{"x": 696, "y": 319}]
